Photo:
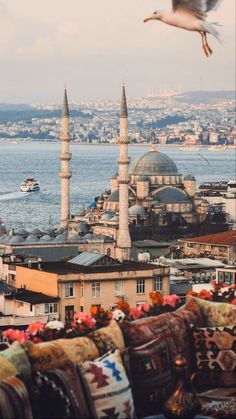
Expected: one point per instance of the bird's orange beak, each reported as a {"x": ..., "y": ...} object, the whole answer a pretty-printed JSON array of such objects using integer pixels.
[{"x": 147, "y": 19}]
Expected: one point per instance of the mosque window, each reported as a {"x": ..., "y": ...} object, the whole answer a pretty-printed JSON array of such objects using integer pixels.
[
  {"x": 96, "y": 289},
  {"x": 69, "y": 290},
  {"x": 140, "y": 286},
  {"x": 118, "y": 287},
  {"x": 82, "y": 289},
  {"x": 157, "y": 284}
]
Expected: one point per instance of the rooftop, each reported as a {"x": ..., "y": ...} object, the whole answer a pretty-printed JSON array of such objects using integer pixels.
[
  {"x": 63, "y": 267},
  {"x": 31, "y": 297},
  {"x": 227, "y": 238}
]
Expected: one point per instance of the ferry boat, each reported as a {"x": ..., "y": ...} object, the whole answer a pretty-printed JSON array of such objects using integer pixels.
[{"x": 30, "y": 185}]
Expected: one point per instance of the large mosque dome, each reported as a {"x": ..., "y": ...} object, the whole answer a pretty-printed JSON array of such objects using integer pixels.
[{"x": 154, "y": 163}]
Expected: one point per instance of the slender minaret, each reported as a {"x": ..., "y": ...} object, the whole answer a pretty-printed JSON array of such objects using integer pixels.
[
  {"x": 65, "y": 173},
  {"x": 123, "y": 240}
]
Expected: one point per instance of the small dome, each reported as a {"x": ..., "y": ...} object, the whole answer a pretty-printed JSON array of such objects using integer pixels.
[
  {"x": 88, "y": 236},
  {"x": 45, "y": 238},
  {"x": 21, "y": 232},
  {"x": 114, "y": 196},
  {"x": 31, "y": 239},
  {"x": 3, "y": 237},
  {"x": 82, "y": 227},
  {"x": 154, "y": 163},
  {"x": 61, "y": 238},
  {"x": 48, "y": 232},
  {"x": 137, "y": 210},
  {"x": 17, "y": 239},
  {"x": 171, "y": 196},
  {"x": 36, "y": 232},
  {"x": 190, "y": 177},
  {"x": 74, "y": 239}
]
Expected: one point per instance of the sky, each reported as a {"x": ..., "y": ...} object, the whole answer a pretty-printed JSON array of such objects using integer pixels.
[{"x": 95, "y": 45}]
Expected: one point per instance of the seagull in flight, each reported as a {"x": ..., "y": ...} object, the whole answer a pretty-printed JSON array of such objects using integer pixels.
[{"x": 190, "y": 15}]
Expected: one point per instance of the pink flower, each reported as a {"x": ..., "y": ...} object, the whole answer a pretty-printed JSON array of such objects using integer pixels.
[
  {"x": 35, "y": 327},
  {"x": 135, "y": 312},
  {"x": 15, "y": 334},
  {"x": 145, "y": 307},
  {"x": 171, "y": 300},
  {"x": 85, "y": 319}
]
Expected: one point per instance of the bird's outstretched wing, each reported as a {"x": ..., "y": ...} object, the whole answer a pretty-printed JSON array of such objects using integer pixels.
[{"x": 198, "y": 7}]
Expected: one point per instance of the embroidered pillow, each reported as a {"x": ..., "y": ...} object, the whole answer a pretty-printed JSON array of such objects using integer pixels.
[
  {"x": 215, "y": 356},
  {"x": 16, "y": 355},
  {"x": 109, "y": 386},
  {"x": 152, "y": 378},
  {"x": 217, "y": 314},
  {"x": 108, "y": 338}
]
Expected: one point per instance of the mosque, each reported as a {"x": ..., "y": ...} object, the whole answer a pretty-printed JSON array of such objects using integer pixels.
[
  {"x": 147, "y": 200},
  {"x": 147, "y": 196}
]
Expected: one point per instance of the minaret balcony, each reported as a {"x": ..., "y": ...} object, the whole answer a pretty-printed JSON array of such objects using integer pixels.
[
  {"x": 65, "y": 156},
  {"x": 124, "y": 139},
  {"x": 124, "y": 160},
  {"x": 124, "y": 181},
  {"x": 66, "y": 175}
]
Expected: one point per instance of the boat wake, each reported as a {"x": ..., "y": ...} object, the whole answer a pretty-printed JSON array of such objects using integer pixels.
[{"x": 11, "y": 196}]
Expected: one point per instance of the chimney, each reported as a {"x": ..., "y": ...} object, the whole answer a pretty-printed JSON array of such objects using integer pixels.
[{"x": 39, "y": 264}]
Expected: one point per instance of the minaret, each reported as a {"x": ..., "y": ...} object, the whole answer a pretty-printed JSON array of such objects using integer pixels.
[
  {"x": 123, "y": 240},
  {"x": 65, "y": 156}
]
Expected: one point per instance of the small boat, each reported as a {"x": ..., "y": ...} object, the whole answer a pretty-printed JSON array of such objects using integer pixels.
[
  {"x": 30, "y": 185},
  {"x": 217, "y": 147},
  {"x": 189, "y": 148}
]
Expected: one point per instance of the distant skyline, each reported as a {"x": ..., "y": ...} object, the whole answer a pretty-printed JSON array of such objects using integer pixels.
[{"x": 93, "y": 46}]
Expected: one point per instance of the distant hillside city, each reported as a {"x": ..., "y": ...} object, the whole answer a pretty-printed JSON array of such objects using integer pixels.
[{"x": 191, "y": 119}]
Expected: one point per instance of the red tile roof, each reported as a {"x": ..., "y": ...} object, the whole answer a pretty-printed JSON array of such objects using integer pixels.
[{"x": 227, "y": 238}]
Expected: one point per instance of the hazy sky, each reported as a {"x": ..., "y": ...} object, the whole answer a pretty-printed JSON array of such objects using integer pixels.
[{"x": 93, "y": 45}]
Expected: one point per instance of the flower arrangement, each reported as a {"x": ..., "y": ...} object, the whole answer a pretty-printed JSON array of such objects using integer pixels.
[
  {"x": 98, "y": 317},
  {"x": 219, "y": 292}
]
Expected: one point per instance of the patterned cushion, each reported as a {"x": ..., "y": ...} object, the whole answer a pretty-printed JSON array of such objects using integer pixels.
[
  {"x": 109, "y": 386},
  {"x": 174, "y": 326},
  {"x": 46, "y": 355},
  {"x": 108, "y": 338},
  {"x": 78, "y": 349},
  {"x": 215, "y": 356},
  {"x": 152, "y": 378},
  {"x": 6, "y": 369},
  {"x": 216, "y": 314},
  {"x": 17, "y": 356}
]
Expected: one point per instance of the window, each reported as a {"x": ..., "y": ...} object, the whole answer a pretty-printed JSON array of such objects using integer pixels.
[
  {"x": 69, "y": 290},
  {"x": 118, "y": 287},
  {"x": 140, "y": 286},
  {"x": 82, "y": 290},
  {"x": 51, "y": 308},
  {"x": 95, "y": 289},
  {"x": 157, "y": 284},
  {"x": 190, "y": 245},
  {"x": 69, "y": 313}
]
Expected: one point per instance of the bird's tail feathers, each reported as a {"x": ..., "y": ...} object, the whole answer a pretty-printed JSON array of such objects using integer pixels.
[{"x": 211, "y": 28}]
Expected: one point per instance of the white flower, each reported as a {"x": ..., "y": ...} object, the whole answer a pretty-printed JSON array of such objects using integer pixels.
[
  {"x": 55, "y": 324},
  {"x": 118, "y": 315}
]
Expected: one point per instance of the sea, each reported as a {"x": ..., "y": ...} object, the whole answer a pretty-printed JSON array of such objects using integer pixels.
[{"x": 92, "y": 166}]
